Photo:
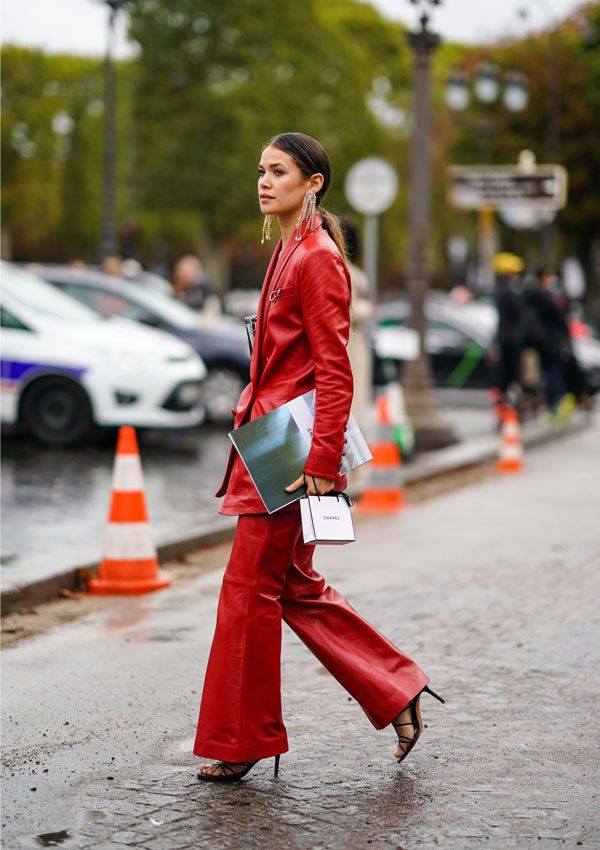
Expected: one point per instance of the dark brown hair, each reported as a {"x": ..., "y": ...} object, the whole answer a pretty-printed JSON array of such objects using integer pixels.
[{"x": 311, "y": 158}]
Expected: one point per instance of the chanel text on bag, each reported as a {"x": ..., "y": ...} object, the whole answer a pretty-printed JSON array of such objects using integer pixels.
[{"x": 327, "y": 519}]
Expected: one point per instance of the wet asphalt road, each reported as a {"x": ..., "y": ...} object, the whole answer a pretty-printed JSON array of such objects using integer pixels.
[
  {"x": 55, "y": 502},
  {"x": 492, "y": 589}
]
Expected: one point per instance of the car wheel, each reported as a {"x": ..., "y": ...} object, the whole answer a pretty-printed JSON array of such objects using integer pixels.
[
  {"x": 220, "y": 392},
  {"x": 56, "y": 411}
]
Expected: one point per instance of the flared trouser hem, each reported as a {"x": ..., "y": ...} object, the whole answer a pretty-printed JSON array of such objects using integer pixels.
[
  {"x": 214, "y": 750},
  {"x": 270, "y": 577}
]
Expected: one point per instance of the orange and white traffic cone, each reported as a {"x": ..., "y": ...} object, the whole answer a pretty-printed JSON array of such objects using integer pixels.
[
  {"x": 385, "y": 493},
  {"x": 510, "y": 456},
  {"x": 129, "y": 565}
]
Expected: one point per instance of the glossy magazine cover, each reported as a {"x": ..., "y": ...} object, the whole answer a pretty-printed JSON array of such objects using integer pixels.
[{"x": 274, "y": 448}]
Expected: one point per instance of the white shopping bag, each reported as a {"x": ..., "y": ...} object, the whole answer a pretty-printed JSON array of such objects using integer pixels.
[{"x": 327, "y": 519}]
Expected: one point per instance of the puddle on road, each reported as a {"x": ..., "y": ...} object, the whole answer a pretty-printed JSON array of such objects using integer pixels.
[
  {"x": 52, "y": 839},
  {"x": 65, "y": 836}
]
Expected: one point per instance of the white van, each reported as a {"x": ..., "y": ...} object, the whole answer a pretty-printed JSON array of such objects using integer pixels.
[{"x": 66, "y": 369}]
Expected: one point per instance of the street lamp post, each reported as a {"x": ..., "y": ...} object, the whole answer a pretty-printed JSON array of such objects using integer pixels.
[
  {"x": 431, "y": 432},
  {"x": 488, "y": 87},
  {"x": 553, "y": 111},
  {"x": 108, "y": 238}
]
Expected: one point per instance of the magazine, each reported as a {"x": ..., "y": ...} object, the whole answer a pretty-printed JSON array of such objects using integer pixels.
[{"x": 274, "y": 448}]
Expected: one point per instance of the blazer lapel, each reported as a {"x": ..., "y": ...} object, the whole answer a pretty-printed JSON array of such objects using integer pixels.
[
  {"x": 254, "y": 363},
  {"x": 279, "y": 261}
]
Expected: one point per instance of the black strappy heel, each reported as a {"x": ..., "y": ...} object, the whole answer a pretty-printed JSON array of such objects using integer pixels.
[
  {"x": 415, "y": 721},
  {"x": 230, "y": 774}
]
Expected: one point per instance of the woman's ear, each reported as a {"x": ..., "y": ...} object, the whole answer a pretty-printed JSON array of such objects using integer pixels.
[{"x": 316, "y": 183}]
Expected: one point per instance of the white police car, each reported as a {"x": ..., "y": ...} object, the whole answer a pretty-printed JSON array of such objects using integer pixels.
[{"x": 65, "y": 369}]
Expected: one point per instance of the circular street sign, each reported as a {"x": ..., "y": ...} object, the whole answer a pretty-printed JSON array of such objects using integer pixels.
[
  {"x": 521, "y": 217},
  {"x": 371, "y": 185}
]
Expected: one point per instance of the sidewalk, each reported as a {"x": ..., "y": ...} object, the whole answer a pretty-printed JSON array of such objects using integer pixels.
[{"x": 493, "y": 590}]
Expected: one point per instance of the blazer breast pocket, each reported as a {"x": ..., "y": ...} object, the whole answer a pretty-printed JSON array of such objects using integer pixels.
[{"x": 281, "y": 293}]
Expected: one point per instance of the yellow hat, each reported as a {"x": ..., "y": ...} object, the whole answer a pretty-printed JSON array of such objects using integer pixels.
[{"x": 505, "y": 263}]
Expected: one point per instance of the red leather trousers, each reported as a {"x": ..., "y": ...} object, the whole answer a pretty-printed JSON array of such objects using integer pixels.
[{"x": 269, "y": 577}]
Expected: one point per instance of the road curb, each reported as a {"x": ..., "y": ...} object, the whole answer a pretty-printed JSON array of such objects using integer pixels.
[{"x": 474, "y": 452}]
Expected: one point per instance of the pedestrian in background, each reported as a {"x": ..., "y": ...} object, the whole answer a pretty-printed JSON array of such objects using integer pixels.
[
  {"x": 546, "y": 329},
  {"x": 190, "y": 282},
  {"x": 508, "y": 269},
  {"x": 300, "y": 345},
  {"x": 359, "y": 342}
]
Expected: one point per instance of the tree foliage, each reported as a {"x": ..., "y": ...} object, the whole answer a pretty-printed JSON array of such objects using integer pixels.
[
  {"x": 213, "y": 81},
  {"x": 52, "y": 108},
  {"x": 217, "y": 80}
]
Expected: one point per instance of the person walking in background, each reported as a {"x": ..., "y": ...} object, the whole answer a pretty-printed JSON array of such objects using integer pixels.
[
  {"x": 359, "y": 343},
  {"x": 546, "y": 329},
  {"x": 300, "y": 345},
  {"x": 190, "y": 282},
  {"x": 113, "y": 266},
  {"x": 508, "y": 269}
]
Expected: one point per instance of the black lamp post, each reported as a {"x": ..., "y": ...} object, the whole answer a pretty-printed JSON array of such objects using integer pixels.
[
  {"x": 553, "y": 110},
  {"x": 431, "y": 432},
  {"x": 108, "y": 238},
  {"x": 488, "y": 87}
]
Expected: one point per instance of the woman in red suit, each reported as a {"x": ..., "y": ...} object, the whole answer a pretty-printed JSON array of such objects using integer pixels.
[{"x": 301, "y": 337}]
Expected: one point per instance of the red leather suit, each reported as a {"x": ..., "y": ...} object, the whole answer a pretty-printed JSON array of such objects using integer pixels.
[{"x": 301, "y": 336}]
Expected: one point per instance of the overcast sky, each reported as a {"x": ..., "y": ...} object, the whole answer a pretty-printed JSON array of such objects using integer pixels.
[{"x": 79, "y": 26}]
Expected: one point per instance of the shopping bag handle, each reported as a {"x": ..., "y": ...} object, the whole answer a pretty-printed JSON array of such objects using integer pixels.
[{"x": 336, "y": 493}]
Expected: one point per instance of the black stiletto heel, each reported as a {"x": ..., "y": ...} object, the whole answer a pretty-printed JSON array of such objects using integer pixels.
[
  {"x": 230, "y": 774},
  {"x": 428, "y": 690},
  {"x": 416, "y": 722}
]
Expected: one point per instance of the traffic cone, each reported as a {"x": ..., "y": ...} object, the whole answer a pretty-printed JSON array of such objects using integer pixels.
[
  {"x": 404, "y": 434},
  {"x": 385, "y": 493},
  {"x": 129, "y": 565},
  {"x": 510, "y": 456}
]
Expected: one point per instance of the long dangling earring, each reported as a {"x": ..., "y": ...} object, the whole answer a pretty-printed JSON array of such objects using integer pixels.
[
  {"x": 306, "y": 219},
  {"x": 266, "y": 231}
]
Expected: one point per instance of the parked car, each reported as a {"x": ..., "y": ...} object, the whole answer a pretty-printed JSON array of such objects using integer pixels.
[
  {"x": 222, "y": 343},
  {"x": 460, "y": 340},
  {"x": 64, "y": 369}
]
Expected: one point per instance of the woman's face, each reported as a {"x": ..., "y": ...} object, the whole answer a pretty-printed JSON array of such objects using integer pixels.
[{"x": 281, "y": 185}]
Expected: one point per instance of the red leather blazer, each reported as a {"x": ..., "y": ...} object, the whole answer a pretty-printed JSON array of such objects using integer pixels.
[{"x": 301, "y": 337}]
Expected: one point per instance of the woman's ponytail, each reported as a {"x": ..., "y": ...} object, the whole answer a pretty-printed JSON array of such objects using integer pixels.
[{"x": 332, "y": 225}]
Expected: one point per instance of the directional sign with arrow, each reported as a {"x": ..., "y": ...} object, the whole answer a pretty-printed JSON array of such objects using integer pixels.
[{"x": 474, "y": 187}]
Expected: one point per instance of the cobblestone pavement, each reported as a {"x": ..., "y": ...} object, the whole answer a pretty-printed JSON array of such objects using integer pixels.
[{"x": 493, "y": 589}]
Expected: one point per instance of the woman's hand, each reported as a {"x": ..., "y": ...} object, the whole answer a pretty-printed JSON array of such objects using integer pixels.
[{"x": 322, "y": 485}]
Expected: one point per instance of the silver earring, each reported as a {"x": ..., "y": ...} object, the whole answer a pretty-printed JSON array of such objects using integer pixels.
[
  {"x": 266, "y": 231},
  {"x": 306, "y": 219}
]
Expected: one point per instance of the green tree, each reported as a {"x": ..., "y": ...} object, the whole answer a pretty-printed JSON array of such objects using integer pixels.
[
  {"x": 217, "y": 80},
  {"x": 51, "y": 153}
]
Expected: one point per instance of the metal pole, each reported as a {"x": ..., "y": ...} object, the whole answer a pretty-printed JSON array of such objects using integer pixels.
[
  {"x": 553, "y": 112},
  {"x": 108, "y": 239},
  {"x": 552, "y": 145},
  {"x": 431, "y": 431},
  {"x": 371, "y": 252}
]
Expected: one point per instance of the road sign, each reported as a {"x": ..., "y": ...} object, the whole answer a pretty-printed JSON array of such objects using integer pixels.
[
  {"x": 371, "y": 185},
  {"x": 475, "y": 187}
]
